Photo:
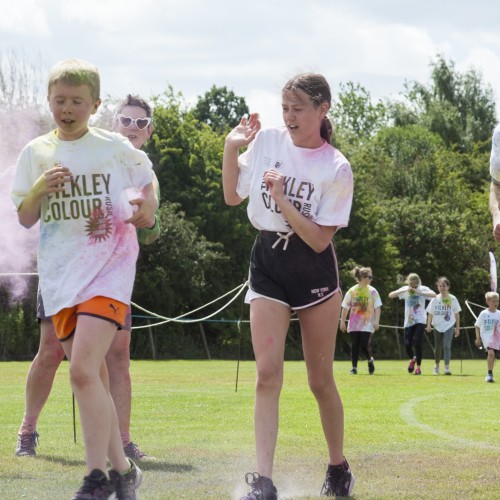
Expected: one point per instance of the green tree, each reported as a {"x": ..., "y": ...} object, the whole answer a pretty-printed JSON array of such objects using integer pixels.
[
  {"x": 176, "y": 274},
  {"x": 459, "y": 107},
  {"x": 355, "y": 116},
  {"x": 221, "y": 109}
]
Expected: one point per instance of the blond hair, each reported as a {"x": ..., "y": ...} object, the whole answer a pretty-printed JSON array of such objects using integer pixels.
[
  {"x": 75, "y": 72},
  {"x": 413, "y": 277},
  {"x": 491, "y": 295}
]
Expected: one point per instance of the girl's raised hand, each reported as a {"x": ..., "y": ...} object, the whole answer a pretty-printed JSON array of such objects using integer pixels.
[{"x": 244, "y": 133}]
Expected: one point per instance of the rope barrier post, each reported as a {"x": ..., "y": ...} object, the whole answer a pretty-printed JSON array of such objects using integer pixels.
[
  {"x": 151, "y": 341},
  {"x": 462, "y": 353},
  {"x": 204, "y": 339},
  {"x": 238, "y": 326},
  {"x": 74, "y": 419}
]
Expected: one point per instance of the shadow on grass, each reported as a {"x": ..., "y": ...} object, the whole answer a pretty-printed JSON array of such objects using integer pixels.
[{"x": 149, "y": 465}]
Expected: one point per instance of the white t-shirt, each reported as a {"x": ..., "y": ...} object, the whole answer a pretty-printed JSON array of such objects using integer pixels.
[
  {"x": 495, "y": 155},
  {"x": 414, "y": 304},
  {"x": 489, "y": 328},
  {"x": 318, "y": 182},
  {"x": 85, "y": 249},
  {"x": 362, "y": 302},
  {"x": 443, "y": 310}
]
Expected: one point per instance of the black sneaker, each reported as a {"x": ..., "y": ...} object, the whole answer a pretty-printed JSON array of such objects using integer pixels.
[
  {"x": 96, "y": 486},
  {"x": 339, "y": 481},
  {"x": 371, "y": 366},
  {"x": 26, "y": 444},
  {"x": 354, "y": 371},
  {"x": 262, "y": 487},
  {"x": 125, "y": 485},
  {"x": 134, "y": 452}
]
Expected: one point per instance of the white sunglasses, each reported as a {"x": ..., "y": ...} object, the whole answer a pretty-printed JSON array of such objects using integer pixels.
[{"x": 140, "y": 123}]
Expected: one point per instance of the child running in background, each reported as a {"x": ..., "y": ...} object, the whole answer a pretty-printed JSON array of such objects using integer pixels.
[
  {"x": 443, "y": 313},
  {"x": 414, "y": 294},
  {"x": 488, "y": 331},
  {"x": 72, "y": 180},
  {"x": 363, "y": 303},
  {"x": 300, "y": 193}
]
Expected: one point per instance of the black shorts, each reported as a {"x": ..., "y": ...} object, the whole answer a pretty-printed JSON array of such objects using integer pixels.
[
  {"x": 292, "y": 272},
  {"x": 40, "y": 310}
]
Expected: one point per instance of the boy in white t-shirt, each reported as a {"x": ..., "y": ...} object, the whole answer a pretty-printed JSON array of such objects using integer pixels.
[
  {"x": 488, "y": 331},
  {"x": 73, "y": 181}
]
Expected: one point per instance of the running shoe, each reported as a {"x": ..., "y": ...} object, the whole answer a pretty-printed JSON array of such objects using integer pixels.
[
  {"x": 418, "y": 371},
  {"x": 339, "y": 481},
  {"x": 436, "y": 370},
  {"x": 96, "y": 486},
  {"x": 262, "y": 487},
  {"x": 354, "y": 371},
  {"x": 26, "y": 444},
  {"x": 489, "y": 378},
  {"x": 134, "y": 452},
  {"x": 447, "y": 371},
  {"x": 411, "y": 365},
  {"x": 371, "y": 366},
  {"x": 126, "y": 484}
]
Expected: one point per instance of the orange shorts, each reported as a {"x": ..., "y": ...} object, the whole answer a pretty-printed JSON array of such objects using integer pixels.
[{"x": 99, "y": 307}]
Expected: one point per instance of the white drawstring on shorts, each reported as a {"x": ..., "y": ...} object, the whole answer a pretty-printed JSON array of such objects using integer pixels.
[{"x": 282, "y": 236}]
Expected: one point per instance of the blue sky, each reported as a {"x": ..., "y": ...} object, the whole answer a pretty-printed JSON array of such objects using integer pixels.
[{"x": 254, "y": 47}]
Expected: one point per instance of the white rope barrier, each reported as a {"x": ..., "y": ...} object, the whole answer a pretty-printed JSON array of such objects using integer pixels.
[
  {"x": 18, "y": 274},
  {"x": 239, "y": 289},
  {"x": 178, "y": 319}
]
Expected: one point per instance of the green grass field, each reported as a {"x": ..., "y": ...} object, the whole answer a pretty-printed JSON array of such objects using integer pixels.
[{"x": 406, "y": 436}]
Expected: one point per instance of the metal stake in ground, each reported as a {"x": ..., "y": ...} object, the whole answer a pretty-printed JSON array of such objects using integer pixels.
[{"x": 74, "y": 419}]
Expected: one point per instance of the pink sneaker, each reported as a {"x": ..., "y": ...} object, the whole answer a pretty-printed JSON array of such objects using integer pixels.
[
  {"x": 411, "y": 365},
  {"x": 418, "y": 372}
]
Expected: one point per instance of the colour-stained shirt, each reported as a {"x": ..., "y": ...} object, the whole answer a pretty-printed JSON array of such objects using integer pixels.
[
  {"x": 443, "y": 310},
  {"x": 361, "y": 302},
  {"x": 495, "y": 156},
  {"x": 318, "y": 182},
  {"x": 414, "y": 304},
  {"x": 489, "y": 328},
  {"x": 85, "y": 248}
]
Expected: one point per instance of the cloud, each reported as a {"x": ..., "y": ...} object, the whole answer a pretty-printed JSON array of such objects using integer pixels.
[{"x": 24, "y": 17}]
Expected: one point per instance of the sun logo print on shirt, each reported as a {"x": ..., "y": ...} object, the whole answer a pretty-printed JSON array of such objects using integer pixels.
[{"x": 99, "y": 226}]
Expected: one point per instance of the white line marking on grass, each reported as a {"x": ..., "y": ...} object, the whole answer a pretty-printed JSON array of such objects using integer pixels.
[{"x": 408, "y": 415}]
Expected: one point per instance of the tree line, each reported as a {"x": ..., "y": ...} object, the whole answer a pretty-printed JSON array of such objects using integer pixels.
[{"x": 420, "y": 163}]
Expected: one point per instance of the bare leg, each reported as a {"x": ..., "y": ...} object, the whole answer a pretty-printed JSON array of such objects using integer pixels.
[
  {"x": 269, "y": 326},
  {"x": 118, "y": 363},
  {"x": 86, "y": 350},
  {"x": 491, "y": 359},
  {"x": 319, "y": 332},
  {"x": 41, "y": 373}
]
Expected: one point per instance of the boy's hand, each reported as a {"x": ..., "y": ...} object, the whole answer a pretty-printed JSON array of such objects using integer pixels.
[
  {"x": 478, "y": 342},
  {"x": 55, "y": 178},
  {"x": 145, "y": 215},
  {"x": 52, "y": 181}
]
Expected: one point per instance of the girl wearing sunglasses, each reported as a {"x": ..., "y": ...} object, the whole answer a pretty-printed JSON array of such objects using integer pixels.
[{"x": 133, "y": 120}]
